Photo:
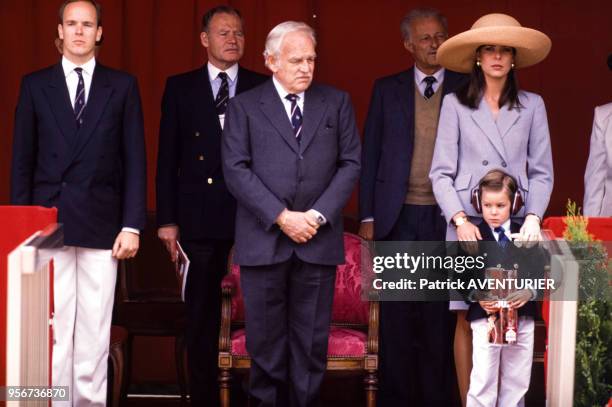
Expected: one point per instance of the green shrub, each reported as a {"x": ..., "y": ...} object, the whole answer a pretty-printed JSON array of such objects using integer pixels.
[{"x": 594, "y": 326}]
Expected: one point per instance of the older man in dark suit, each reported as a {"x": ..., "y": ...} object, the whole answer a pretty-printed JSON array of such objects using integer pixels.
[
  {"x": 396, "y": 202},
  {"x": 79, "y": 146},
  {"x": 291, "y": 158},
  {"x": 192, "y": 199}
]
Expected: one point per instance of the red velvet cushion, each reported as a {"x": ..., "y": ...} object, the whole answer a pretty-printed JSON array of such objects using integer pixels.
[
  {"x": 342, "y": 342},
  {"x": 348, "y": 305}
]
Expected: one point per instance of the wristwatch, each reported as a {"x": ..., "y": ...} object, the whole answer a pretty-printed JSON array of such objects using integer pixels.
[{"x": 460, "y": 221}]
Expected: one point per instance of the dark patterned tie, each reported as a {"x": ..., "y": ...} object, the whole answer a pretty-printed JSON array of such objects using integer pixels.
[
  {"x": 222, "y": 95},
  {"x": 429, "y": 80},
  {"x": 502, "y": 240},
  {"x": 296, "y": 116},
  {"x": 79, "y": 100}
]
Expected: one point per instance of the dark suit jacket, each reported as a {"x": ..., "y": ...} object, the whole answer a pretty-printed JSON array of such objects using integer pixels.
[
  {"x": 190, "y": 154},
  {"x": 95, "y": 175},
  {"x": 388, "y": 146},
  {"x": 267, "y": 170},
  {"x": 530, "y": 262}
]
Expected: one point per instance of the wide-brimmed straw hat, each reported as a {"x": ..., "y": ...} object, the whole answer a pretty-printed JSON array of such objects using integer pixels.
[{"x": 458, "y": 53}]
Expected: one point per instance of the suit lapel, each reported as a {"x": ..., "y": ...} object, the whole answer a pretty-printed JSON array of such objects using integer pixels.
[
  {"x": 506, "y": 119},
  {"x": 485, "y": 231},
  {"x": 484, "y": 119},
  {"x": 273, "y": 108},
  {"x": 59, "y": 100},
  {"x": 404, "y": 94},
  {"x": 314, "y": 109},
  {"x": 244, "y": 81},
  {"x": 99, "y": 94}
]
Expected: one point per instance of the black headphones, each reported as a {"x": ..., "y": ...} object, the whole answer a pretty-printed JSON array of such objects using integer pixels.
[{"x": 516, "y": 201}]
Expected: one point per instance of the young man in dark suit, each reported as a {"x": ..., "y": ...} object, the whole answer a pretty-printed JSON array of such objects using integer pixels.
[
  {"x": 291, "y": 158},
  {"x": 78, "y": 145},
  {"x": 193, "y": 203},
  {"x": 396, "y": 202}
]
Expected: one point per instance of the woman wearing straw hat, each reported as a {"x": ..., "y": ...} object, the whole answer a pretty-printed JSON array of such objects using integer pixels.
[{"x": 490, "y": 124}]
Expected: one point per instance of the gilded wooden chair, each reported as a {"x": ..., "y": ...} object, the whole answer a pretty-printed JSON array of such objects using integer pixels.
[{"x": 353, "y": 336}]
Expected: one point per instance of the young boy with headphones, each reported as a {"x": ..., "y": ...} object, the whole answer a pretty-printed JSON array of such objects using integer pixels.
[{"x": 501, "y": 373}]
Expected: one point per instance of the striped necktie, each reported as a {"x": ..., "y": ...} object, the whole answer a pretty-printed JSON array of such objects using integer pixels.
[
  {"x": 79, "y": 100},
  {"x": 296, "y": 116},
  {"x": 429, "y": 80},
  {"x": 222, "y": 95}
]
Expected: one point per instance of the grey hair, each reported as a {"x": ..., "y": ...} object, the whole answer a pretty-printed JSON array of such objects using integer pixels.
[
  {"x": 417, "y": 14},
  {"x": 277, "y": 34}
]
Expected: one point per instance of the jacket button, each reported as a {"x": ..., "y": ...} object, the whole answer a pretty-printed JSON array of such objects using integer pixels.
[
  {"x": 197, "y": 134},
  {"x": 210, "y": 181},
  {"x": 201, "y": 157},
  {"x": 485, "y": 162},
  {"x": 504, "y": 164}
]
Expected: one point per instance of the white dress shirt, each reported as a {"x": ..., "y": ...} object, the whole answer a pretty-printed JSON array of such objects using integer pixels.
[
  {"x": 215, "y": 83},
  {"x": 72, "y": 78},
  {"x": 419, "y": 79},
  {"x": 506, "y": 226},
  {"x": 287, "y": 103}
]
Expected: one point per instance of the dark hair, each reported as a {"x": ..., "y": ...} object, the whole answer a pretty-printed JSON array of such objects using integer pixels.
[
  {"x": 417, "y": 14},
  {"x": 92, "y": 2},
  {"x": 471, "y": 92},
  {"x": 610, "y": 62},
  {"x": 497, "y": 180},
  {"x": 208, "y": 16}
]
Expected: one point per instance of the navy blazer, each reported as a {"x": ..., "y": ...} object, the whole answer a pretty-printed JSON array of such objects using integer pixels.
[
  {"x": 531, "y": 260},
  {"x": 267, "y": 170},
  {"x": 95, "y": 175},
  {"x": 388, "y": 146},
  {"x": 191, "y": 191}
]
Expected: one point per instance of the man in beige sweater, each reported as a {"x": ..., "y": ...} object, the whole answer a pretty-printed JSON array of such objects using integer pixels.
[{"x": 397, "y": 203}]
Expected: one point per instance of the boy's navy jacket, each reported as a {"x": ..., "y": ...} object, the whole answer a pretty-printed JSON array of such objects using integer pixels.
[{"x": 530, "y": 265}]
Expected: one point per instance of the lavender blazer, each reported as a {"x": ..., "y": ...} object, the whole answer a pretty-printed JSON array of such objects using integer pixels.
[{"x": 470, "y": 143}]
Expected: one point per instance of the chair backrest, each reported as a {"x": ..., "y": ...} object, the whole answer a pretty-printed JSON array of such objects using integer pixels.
[
  {"x": 234, "y": 277},
  {"x": 151, "y": 273},
  {"x": 349, "y": 307}
]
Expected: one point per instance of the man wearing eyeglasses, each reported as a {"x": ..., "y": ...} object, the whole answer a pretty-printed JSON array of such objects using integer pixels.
[{"x": 397, "y": 203}]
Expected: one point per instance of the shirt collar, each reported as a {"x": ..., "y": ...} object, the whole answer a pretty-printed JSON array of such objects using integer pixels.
[
  {"x": 420, "y": 75},
  {"x": 231, "y": 72},
  {"x": 506, "y": 225},
  {"x": 88, "y": 67},
  {"x": 281, "y": 90}
]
